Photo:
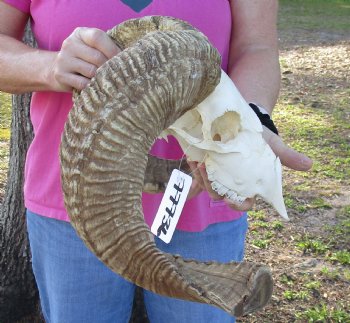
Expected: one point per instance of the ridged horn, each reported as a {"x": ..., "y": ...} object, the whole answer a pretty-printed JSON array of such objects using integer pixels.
[{"x": 166, "y": 68}]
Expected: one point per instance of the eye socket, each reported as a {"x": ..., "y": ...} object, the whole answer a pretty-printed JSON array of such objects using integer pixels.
[
  {"x": 191, "y": 123},
  {"x": 226, "y": 127}
]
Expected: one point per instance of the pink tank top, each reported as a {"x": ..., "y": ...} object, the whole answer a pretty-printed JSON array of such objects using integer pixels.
[{"x": 53, "y": 21}]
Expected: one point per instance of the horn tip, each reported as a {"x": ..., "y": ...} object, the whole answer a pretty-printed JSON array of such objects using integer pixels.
[{"x": 261, "y": 292}]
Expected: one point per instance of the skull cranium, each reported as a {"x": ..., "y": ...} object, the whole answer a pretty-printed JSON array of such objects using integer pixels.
[{"x": 225, "y": 134}]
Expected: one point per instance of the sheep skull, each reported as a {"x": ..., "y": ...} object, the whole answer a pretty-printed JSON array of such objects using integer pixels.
[{"x": 225, "y": 134}]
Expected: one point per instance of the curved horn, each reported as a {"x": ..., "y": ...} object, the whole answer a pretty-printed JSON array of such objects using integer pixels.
[{"x": 166, "y": 68}]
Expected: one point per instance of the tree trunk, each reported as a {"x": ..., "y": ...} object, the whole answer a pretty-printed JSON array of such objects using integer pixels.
[{"x": 18, "y": 291}]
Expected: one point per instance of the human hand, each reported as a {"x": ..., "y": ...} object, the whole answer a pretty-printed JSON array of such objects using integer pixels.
[
  {"x": 288, "y": 156},
  {"x": 81, "y": 54},
  {"x": 201, "y": 183}
]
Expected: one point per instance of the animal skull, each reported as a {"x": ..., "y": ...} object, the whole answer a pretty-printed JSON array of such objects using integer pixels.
[
  {"x": 165, "y": 68},
  {"x": 225, "y": 134}
]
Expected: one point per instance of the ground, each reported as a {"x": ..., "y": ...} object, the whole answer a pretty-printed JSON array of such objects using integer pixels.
[{"x": 309, "y": 256}]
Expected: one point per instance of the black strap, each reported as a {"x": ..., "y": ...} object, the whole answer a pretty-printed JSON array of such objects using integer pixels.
[{"x": 264, "y": 118}]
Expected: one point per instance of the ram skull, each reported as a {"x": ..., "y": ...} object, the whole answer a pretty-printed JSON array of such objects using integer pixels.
[
  {"x": 165, "y": 68},
  {"x": 225, "y": 134}
]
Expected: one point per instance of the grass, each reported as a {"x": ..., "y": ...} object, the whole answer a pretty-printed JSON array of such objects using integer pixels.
[
  {"x": 325, "y": 14},
  {"x": 334, "y": 247},
  {"x": 5, "y": 122},
  {"x": 286, "y": 279},
  {"x": 342, "y": 256},
  {"x": 303, "y": 289},
  {"x": 323, "y": 313},
  {"x": 257, "y": 215},
  {"x": 293, "y": 295},
  {"x": 312, "y": 136},
  {"x": 263, "y": 231},
  {"x": 5, "y": 134},
  {"x": 309, "y": 245},
  {"x": 260, "y": 243},
  {"x": 5, "y": 116},
  {"x": 313, "y": 285},
  {"x": 277, "y": 225},
  {"x": 346, "y": 274},
  {"x": 330, "y": 273}
]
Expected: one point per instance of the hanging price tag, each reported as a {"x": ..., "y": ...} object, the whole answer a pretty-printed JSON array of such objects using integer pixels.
[{"x": 171, "y": 206}]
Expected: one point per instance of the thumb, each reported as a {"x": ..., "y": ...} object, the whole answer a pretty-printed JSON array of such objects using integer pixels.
[{"x": 288, "y": 156}]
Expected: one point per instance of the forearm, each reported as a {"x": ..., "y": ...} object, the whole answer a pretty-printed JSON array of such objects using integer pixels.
[
  {"x": 253, "y": 60},
  {"x": 256, "y": 73},
  {"x": 23, "y": 69}
]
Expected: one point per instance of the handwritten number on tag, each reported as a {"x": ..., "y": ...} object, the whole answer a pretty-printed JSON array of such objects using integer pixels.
[{"x": 171, "y": 205}]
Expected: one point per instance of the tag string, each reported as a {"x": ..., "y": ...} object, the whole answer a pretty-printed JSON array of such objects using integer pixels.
[
  {"x": 184, "y": 155},
  {"x": 205, "y": 155}
]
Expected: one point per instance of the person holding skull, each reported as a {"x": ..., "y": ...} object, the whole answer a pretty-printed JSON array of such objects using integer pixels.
[{"x": 74, "y": 285}]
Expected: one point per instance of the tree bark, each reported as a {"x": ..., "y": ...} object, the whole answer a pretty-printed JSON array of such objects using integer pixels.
[{"x": 18, "y": 291}]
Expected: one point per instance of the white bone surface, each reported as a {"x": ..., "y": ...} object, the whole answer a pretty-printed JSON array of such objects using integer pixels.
[{"x": 225, "y": 134}]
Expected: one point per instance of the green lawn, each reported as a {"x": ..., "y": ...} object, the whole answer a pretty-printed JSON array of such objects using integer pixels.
[
  {"x": 329, "y": 15},
  {"x": 5, "y": 116}
]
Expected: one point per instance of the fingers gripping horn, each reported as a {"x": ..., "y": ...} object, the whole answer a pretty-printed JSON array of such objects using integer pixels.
[{"x": 166, "y": 67}]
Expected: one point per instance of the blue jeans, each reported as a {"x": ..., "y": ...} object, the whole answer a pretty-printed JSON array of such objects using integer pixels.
[{"x": 76, "y": 287}]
